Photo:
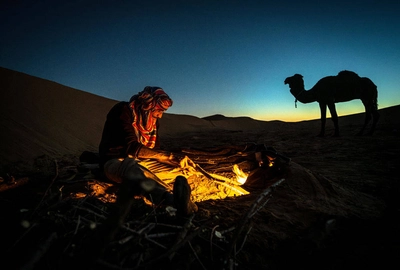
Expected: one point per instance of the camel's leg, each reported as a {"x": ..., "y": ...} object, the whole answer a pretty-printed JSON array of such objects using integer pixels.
[
  {"x": 334, "y": 116},
  {"x": 370, "y": 112},
  {"x": 366, "y": 121},
  {"x": 376, "y": 116},
  {"x": 322, "y": 107}
]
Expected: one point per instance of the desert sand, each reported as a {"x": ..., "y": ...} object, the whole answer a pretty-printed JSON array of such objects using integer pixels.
[{"x": 337, "y": 207}]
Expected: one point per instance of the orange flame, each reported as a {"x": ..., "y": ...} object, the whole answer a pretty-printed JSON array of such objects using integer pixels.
[{"x": 241, "y": 176}]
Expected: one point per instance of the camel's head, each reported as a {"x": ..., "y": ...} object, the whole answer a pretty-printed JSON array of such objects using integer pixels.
[{"x": 296, "y": 81}]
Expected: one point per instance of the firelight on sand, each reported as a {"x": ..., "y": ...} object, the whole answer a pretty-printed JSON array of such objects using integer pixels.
[{"x": 205, "y": 185}]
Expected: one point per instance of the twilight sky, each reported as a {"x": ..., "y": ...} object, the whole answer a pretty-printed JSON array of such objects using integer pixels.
[{"x": 210, "y": 56}]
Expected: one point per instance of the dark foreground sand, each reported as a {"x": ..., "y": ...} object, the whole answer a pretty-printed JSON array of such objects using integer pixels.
[{"x": 338, "y": 207}]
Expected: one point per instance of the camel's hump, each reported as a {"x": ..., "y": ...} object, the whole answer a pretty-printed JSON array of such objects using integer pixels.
[{"x": 348, "y": 74}]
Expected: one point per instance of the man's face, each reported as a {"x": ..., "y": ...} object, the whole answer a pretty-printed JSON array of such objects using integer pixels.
[{"x": 157, "y": 113}]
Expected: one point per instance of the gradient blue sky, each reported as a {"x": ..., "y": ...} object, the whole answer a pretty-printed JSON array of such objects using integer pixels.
[{"x": 211, "y": 57}]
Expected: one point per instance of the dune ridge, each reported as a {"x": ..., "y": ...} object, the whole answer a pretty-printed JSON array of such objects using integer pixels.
[{"x": 42, "y": 117}]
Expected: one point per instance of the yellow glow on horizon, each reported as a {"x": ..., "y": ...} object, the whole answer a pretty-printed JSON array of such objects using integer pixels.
[{"x": 305, "y": 112}]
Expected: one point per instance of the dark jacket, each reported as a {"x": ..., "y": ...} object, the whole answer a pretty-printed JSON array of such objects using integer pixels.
[{"x": 119, "y": 138}]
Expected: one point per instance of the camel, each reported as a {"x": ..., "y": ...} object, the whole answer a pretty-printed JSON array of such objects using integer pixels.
[{"x": 345, "y": 86}]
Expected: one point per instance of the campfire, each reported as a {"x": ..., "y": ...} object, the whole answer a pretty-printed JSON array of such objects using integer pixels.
[
  {"x": 212, "y": 174},
  {"x": 204, "y": 185}
]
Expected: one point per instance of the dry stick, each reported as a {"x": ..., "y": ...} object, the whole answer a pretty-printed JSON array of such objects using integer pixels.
[
  {"x": 92, "y": 205},
  {"x": 160, "y": 235},
  {"x": 153, "y": 206},
  {"x": 23, "y": 235},
  {"x": 77, "y": 225},
  {"x": 47, "y": 190},
  {"x": 182, "y": 239},
  {"x": 183, "y": 234},
  {"x": 155, "y": 242},
  {"x": 244, "y": 240},
  {"x": 197, "y": 257},
  {"x": 149, "y": 237},
  {"x": 41, "y": 250},
  {"x": 211, "y": 243},
  {"x": 172, "y": 250},
  {"x": 78, "y": 222},
  {"x": 144, "y": 231},
  {"x": 106, "y": 265},
  {"x": 254, "y": 209},
  {"x": 90, "y": 212},
  {"x": 158, "y": 224},
  {"x": 147, "y": 228}
]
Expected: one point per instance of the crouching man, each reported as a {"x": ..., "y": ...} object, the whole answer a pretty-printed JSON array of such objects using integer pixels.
[{"x": 131, "y": 133}]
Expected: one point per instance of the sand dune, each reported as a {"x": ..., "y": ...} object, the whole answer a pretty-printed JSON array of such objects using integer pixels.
[{"x": 41, "y": 117}]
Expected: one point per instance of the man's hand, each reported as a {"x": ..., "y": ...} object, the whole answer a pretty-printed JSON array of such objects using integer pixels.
[
  {"x": 172, "y": 159},
  {"x": 165, "y": 157}
]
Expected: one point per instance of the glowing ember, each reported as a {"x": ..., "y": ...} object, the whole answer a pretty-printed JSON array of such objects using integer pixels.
[
  {"x": 96, "y": 189},
  {"x": 241, "y": 176}
]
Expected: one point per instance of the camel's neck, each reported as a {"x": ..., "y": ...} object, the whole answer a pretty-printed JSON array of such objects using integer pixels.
[{"x": 302, "y": 95}]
